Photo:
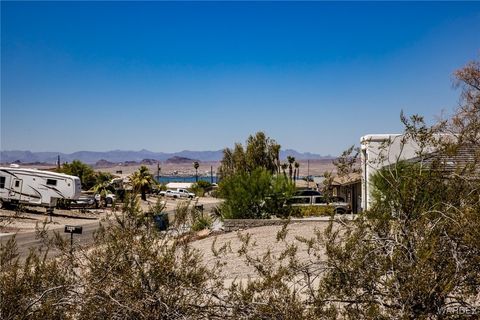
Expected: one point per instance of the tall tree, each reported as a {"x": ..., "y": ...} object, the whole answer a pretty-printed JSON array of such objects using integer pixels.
[
  {"x": 284, "y": 169},
  {"x": 260, "y": 151},
  {"x": 239, "y": 159},
  {"x": 291, "y": 161},
  {"x": 274, "y": 154},
  {"x": 297, "y": 171},
  {"x": 227, "y": 164},
  {"x": 81, "y": 170}
]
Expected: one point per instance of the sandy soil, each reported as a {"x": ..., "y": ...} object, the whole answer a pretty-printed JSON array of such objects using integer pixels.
[{"x": 264, "y": 239}]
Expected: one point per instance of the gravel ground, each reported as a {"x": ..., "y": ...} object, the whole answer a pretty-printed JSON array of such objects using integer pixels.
[{"x": 264, "y": 239}]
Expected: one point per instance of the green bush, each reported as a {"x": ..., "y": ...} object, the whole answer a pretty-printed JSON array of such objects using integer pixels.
[
  {"x": 255, "y": 195},
  {"x": 200, "y": 187},
  {"x": 202, "y": 222},
  {"x": 313, "y": 211}
]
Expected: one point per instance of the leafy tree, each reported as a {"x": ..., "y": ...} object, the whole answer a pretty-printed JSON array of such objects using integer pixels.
[
  {"x": 81, "y": 170},
  {"x": 142, "y": 181},
  {"x": 227, "y": 165},
  {"x": 103, "y": 183},
  {"x": 260, "y": 151}
]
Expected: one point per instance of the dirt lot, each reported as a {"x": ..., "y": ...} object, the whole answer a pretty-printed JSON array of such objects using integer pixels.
[{"x": 264, "y": 239}]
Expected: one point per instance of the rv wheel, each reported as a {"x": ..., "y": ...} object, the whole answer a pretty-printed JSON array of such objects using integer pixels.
[{"x": 340, "y": 211}]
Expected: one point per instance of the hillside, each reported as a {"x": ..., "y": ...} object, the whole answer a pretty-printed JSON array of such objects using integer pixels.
[{"x": 117, "y": 156}]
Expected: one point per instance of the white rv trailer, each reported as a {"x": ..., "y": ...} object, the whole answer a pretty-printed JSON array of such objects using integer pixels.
[
  {"x": 36, "y": 187},
  {"x": 381, "y": 150}
]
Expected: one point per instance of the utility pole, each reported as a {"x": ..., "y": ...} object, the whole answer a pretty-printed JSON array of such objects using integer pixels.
[
  {"x": 211, "y": 174},
  {"x": 308, "y": 174}
]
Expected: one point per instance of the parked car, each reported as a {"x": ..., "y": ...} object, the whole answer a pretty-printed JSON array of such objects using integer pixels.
[
  {"x": 167, "y": 193},
  {"x": 337, "y": 203},
  {"x": 307, "y": 192},
  {"x": 84, "y": 201},
  {"x": 109, "y": 199},
  {"x": 179, "y": 193}
]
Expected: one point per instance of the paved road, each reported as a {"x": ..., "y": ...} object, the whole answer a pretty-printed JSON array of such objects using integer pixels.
[{"x": 28, "y": 240}]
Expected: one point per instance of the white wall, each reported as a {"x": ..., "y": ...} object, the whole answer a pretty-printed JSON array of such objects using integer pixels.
[{"x": 381, "y": 150}]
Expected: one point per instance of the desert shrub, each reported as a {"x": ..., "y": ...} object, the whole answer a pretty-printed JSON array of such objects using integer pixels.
[
  {"x": 255, "y": 195},
  {"x": 202, "y": 222},
  {"x": 200, "y": 187},
  {"x": 314, "y": 211},
  {"x": 33, "y": 289},
  {"x": 150, "y": 274}
]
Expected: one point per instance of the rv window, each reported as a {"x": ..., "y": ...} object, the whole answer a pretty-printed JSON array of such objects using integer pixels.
[
  {"x": 2, "y": 182},
  {"x": 51, "y": 182},
  {"x": 17, "y": 184}
]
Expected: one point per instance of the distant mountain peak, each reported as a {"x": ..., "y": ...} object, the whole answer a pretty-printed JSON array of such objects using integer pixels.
[{"x": 117, "y": 156}]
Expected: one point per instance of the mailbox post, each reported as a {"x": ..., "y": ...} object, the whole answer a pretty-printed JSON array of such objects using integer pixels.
[{"x": 72, "y": 230}]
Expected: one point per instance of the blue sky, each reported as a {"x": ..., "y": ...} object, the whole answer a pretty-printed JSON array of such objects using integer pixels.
[{"x": 170, "y": 76}]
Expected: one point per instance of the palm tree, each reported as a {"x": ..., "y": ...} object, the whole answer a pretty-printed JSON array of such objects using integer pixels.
[
  {"x": 297, "y": 171},
  {"x": 274, "y": 154},
  {"x": 284, "y": 167},
  {"x": 290, "y": 160},
  {"x": 196, "y": 165},
  {"x": 103, "y": 185},
  {"x": 142, "y": 181}
]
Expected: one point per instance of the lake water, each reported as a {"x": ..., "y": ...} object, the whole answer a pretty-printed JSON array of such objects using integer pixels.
[{"x": 167, "y": 179}]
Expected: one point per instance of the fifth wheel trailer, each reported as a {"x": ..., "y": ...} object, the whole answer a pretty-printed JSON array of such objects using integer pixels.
[{"x": 36, "y": 187}]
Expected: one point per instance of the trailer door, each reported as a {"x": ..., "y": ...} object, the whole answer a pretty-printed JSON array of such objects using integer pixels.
[{"x": 16, "y": 189}]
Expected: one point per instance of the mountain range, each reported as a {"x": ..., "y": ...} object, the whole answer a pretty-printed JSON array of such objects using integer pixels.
[{"x": 118, "y": 156}]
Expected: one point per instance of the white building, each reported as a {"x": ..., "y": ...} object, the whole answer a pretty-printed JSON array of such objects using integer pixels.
[{"x": 381, "y": 150}]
